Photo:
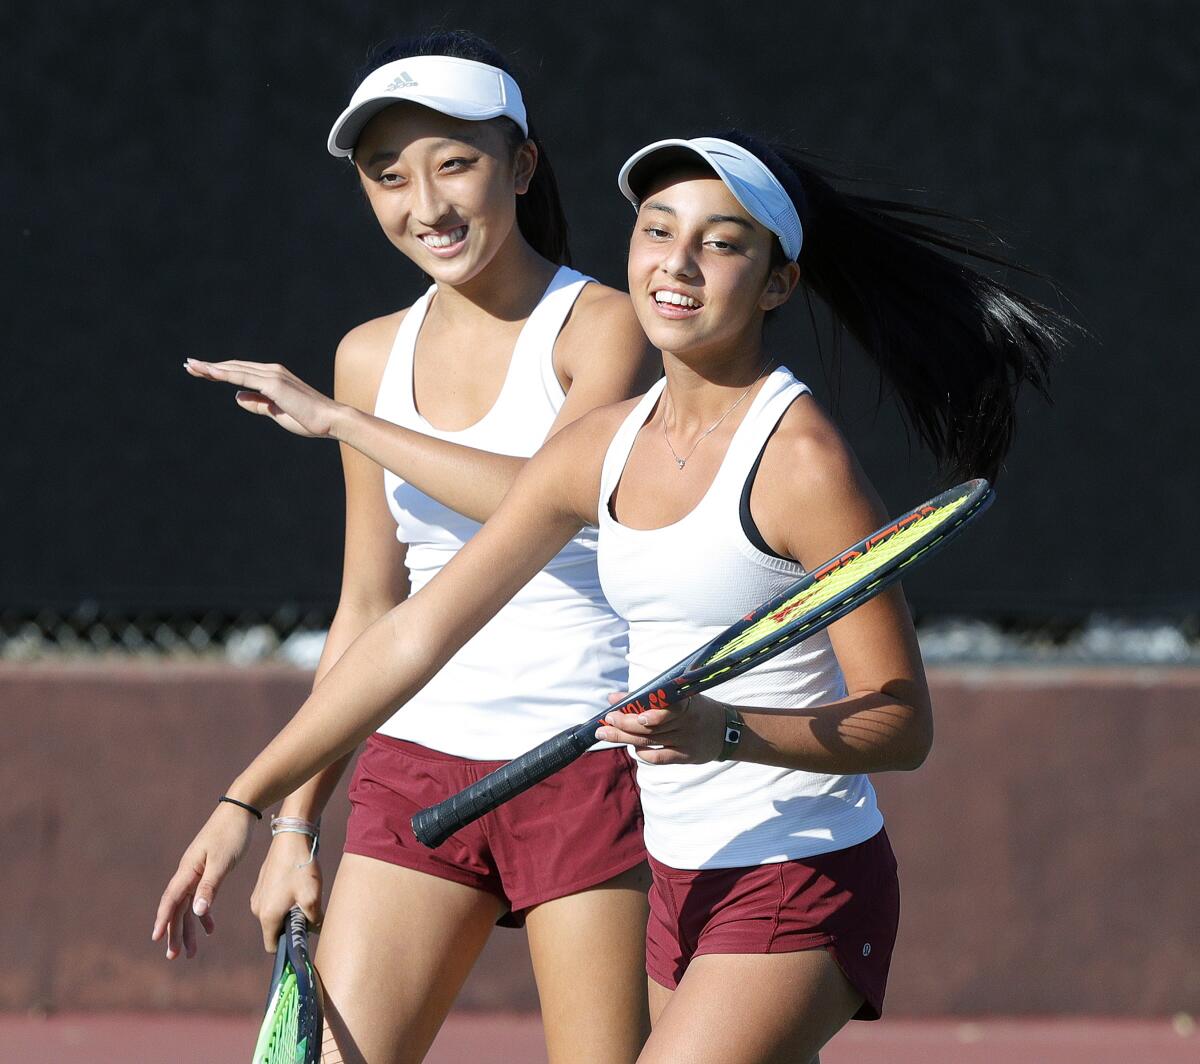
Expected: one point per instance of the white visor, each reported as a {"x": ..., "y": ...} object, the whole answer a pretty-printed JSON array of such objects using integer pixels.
[
  {"x": 460, "y": 88},
  {"x": 744, "y": 173}
]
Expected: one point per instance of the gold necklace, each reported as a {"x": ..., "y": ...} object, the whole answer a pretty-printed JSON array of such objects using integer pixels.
[{"x": 681, "y": 462}]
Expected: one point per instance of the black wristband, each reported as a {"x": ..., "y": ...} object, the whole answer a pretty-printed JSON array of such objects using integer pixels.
[
  {"x": 240, "y": 805},
  {"x": 732, "y": 734}
]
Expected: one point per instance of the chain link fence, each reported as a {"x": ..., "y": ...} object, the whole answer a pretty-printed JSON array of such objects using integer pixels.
[
  {"x": 288, "y": 634},
  {"x": 295, "y": 636}
]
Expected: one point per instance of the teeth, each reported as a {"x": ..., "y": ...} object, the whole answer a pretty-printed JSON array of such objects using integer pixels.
[
  {"x": 663, "y": 296},
  {"x": 444, "y": 240}
]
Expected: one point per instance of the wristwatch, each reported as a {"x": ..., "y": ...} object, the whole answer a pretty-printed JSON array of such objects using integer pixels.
[{"x": 733, "y": 733}]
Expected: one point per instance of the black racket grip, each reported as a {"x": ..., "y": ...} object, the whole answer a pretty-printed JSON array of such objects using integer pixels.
[{"x": 435, "y": 825}]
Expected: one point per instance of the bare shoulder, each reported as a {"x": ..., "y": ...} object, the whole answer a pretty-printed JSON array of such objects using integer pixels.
[
  {"x": 361, "y": 358},
  {"x": 810, "y": 449},
  {"x": 602, "y": 322},
  {"x": 811, "y": 492},
  {"x": 569, "y": 464},
  {"x": 599, "y": 302},
  {"x": 589, "y": 436}
]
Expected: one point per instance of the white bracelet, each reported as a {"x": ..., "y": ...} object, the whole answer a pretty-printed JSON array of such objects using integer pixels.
[
  {"x": 295, "y": 825},
  {"x": 281, "y": 824}
]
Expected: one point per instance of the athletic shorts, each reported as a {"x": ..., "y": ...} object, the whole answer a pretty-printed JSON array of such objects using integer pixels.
[
  {"x": 575, "y": 830},
  {"x": 847, "y": 902}
]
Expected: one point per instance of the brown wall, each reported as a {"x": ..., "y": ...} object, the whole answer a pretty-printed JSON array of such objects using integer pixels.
[{"x": 1048, "y": 847}]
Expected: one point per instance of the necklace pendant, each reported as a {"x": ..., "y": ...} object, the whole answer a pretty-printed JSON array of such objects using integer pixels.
[{"x": 681, "y": 462}]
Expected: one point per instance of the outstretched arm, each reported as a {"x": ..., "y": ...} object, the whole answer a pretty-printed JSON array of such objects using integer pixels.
[
  {"x": 554, "y": 496},
  {"x": 601, "y": 357}
]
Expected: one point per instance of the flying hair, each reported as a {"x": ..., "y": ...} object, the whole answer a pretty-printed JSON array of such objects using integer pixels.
[{"x": 954, "y": 345}]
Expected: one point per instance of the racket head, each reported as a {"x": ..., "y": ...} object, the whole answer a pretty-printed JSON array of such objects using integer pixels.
[
  {"x": 837, "y": 587},
  {"x": 293, "y": 1021}
]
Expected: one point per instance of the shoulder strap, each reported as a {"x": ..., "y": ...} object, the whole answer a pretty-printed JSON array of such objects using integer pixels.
[
  {"x": 395, "y": 398},
  {"x": 622, "y": 443},
  {"x": 533, "y": 353},
  {"x": 778, "y": 392}
]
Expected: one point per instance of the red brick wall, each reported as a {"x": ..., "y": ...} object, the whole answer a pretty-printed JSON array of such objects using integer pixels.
[{"x": 1047, "y": 848}]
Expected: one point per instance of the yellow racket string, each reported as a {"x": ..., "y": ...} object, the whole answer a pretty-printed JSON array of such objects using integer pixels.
[{"x": 850, "y": 572}]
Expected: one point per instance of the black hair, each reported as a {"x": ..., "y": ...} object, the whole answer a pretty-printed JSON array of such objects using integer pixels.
[
  {"x": 540, "y": 214},
  {"x": 953, "y": 344}
]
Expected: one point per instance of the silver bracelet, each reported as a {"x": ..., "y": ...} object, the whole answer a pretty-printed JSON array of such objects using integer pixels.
[{"x": 295, "y": 825}]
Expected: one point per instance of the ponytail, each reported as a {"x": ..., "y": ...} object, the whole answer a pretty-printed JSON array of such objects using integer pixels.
[
  {"x": 953, "y": 344},
  {"x": 540, "y": 215}
]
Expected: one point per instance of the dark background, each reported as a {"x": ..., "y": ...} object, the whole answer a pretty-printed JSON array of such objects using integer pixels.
[{"x": 166, "y": 193}]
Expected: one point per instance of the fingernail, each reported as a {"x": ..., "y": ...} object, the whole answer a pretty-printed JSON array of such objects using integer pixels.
[
  {"x": 200, "y": 906},
  {"x": 643, "y": 721}
]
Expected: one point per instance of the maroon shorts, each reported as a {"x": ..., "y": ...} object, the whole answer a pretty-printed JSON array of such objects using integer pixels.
[
  {"x": 578, "y": 828},
  {"x": 847, "y": 902}
]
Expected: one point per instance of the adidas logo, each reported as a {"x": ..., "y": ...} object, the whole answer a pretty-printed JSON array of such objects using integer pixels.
[{"x": 404, "y": 81}]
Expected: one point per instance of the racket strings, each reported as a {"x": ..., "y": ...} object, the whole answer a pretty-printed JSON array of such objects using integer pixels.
[
  {"x": 840, "y": 607},
  {"x": 279, "y": 1039},
  {"x": 838, "y": 580}
]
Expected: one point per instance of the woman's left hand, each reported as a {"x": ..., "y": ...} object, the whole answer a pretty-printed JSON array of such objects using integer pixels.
[
  {"x": 275, "y": 392},
  {"x": 689, "y": 733}
]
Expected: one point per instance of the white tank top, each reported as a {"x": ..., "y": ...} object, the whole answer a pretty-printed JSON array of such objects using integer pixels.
[
  {"x": 679, "y": 586},
  {"x": 550, "y": 657}
]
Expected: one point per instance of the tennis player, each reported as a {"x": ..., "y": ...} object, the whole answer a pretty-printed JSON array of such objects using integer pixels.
[
  {"x": 450, "y": 397},
  {"x": 775, "y": 898}
]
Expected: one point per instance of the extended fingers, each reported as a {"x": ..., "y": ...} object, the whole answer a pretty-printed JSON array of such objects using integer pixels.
[
  {"x": 251, "y": 374},
  {"x": 214, "y": 872},
  {"x": 223, "y": 372},
  {"x": 189, "y": 934},
  {"x": 172, "y": 903}
]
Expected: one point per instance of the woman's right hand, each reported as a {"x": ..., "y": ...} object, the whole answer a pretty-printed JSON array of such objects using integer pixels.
[
  {"x": 273, "y": 391},
  {"x": 286, "y": 879},
  {"x": 202, "y": 868}
]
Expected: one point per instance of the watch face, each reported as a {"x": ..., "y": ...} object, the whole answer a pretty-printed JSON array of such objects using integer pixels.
[{"x": 732, "y": 733}]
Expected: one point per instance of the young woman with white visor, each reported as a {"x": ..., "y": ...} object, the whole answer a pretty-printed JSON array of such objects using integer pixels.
[{"x": 437, "y": 408}]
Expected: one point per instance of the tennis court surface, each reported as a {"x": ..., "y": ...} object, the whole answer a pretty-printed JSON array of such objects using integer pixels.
[{"x": 491, "y": 1038}]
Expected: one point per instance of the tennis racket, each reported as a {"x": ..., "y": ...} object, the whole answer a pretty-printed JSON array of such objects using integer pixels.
[
  {"x": 812, "y": 603},
  {"x": 292, "y": 1027}
]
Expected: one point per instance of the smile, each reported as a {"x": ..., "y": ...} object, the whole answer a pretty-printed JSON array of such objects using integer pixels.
[
  {"x": 671, "y": 304},
  {"x": 444, "y": 240}
]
